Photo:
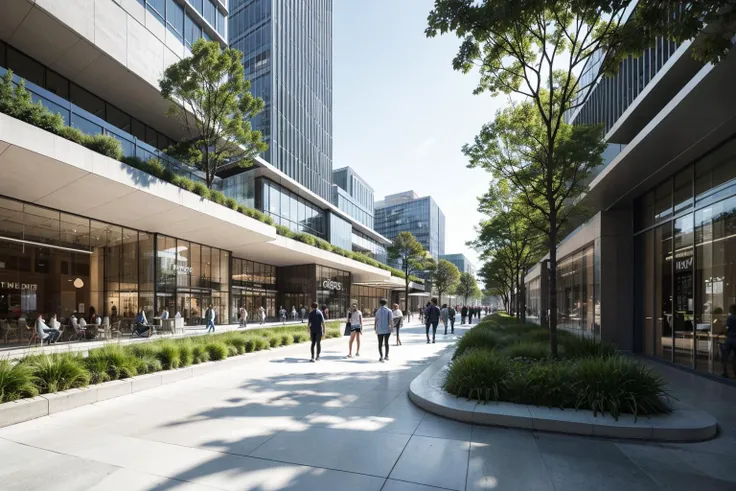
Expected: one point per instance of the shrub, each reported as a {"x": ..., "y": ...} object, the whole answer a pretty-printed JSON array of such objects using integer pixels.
[
  {"x": 299, "y": 337},
  {"x": 184, "y": 183},
  {"x": 618, "y": 385},
  {"x": 58, "y": 372},
  {"x": 306, "y": 238},
  {"x": 573, "y": 346},
  {"x": 148, "y": 364},
  {"x": 261, "y": 343},
  {"x": 480, "y": 374},
  {"x": 186, "y": 352},
  {"x": 17, "y": 102},
  {"x": 97, "y": 368},
  {"x": 526, "y": 349},
  {"x": 169, "y": 355},
  {"x": 250, "y": 345},
  {"x": 217, "y": 197},
  {"x": 201, "y": 355},
  {"x": 106, "y": 145},
  {"x": 16, "y": 381},
  {"x": 117, "y": 362},
  {"x": 274, "y": 341},
  {"x": 287, "y": 339},
  {"x": 231, "y": 203},
  {"x": 201, "y": 190},
  {"x": 72, "y": 134},
  {"x": 237, "y": 341},
  {"x": 216, "y": 350},
  {"x": 283, "y": 230},
  {"x": 477, "y": 338},
  {"x": 544, "y": 384},
  {"x": 231, "y": 350}
]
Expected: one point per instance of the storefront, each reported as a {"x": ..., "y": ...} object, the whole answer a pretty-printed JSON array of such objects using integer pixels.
[
  {"x": 253, "y": 287},
  {"x": 686, "y": 262},
  {"x": 301, "y": 285},
  {"x": 367, "y": 298}
]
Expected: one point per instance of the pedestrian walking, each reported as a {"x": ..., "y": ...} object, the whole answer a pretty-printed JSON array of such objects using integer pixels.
[
  {"x": 463, "y": 314},
  {"x": 209, "y": 316},
  {"x": 293, "y": 314},
  {"x": 421, "y": 314},
  {"x": 325, "y": 312},
  {"x": 282, "y": 314},
  {"x": 398, "y": 318},
  {"x": 355, "y": 318},
  {"x": 303, "y": 312},
  {"x": 316, "y": 328},
  {"x": 729, "y": 347},
  {"x": 445, "y": 316},
  {"x": 383, "y": 322},
  {"x": 262, "y": 314},
  {"x": 432, "y": 319},
  {"x": 451, "y": 314},
  {"x": 243, "y": 316}
]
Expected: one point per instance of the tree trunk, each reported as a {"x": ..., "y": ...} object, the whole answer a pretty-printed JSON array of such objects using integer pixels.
[
  {"x": 553, "y": 284},
  {"x": 207, "y": 174},
  {"x": 522, "y": 299},
  {"x": 406, "y": 295}
]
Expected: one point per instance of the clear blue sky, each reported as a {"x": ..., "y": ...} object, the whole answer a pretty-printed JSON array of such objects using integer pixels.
[{"x": 402, "y": 114}]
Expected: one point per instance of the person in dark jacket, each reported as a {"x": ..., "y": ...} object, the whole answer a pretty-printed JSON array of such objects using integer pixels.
[
  {"x": 451, "y": 314},
  {"x": 463, "y": 314},
  {"x": 729, "y": 346},
  {"x": 432, "y": 316}
]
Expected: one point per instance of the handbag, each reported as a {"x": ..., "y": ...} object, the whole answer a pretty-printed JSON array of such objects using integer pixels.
[{"x": 347, "y": 328}]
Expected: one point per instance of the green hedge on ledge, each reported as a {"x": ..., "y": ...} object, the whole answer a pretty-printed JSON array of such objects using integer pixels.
[
  {"x": 501, "y": 361},
  {"x": 16, "y": 101},
  {"x": 41, "y": 373}
]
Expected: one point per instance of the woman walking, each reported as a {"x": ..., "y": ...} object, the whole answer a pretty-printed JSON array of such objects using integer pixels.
[
  {"x": 398, "y": 318},
  {"x": 384, "y": 320},
  {"x": 355, "y": 318}
]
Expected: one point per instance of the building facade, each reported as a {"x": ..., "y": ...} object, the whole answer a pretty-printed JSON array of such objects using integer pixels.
[
  {"x": 287, "y": 47},
  {"x": 462, "y": 263},
  {"x": 353, "y": 195},
  {"x": 80, "y": 230},
  {"x": 407, "y": 212},
  {"x": 654, "y": 270}
]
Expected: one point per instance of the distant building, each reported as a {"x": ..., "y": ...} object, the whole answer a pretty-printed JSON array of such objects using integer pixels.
[
  {"x": 407, "y": 212},
  {"x": 462, "y": 262},
  {"x": 353, "y": 195}
]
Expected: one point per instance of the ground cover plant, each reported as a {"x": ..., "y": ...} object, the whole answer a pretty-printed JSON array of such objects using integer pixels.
[
  {"x": 503, "y": 360},
  {"x": 42, "y": 374}
]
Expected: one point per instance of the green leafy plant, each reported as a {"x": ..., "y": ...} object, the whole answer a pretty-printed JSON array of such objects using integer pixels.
[
  {"x": 169, "y": 354},
  {"x": 201, "y": 355},
  {"x": 17, "y": 102},
  {"x": 106, "y": 145},
  {"x": 480, "y": 374},
  {"x": 526, "y": 349},
  {"x": 478, "y": 338},
  {"x": 111, "y": 362},
  {"x": 217, "y": 196},
  {"x": 58, "y": 372},
  {"x": 72, "y": 134},
  {"x": 16, "y": 381},
  {"x": 231, "y": 203},
  {"x": 217, "y": 350},
  {"x": 580, "y": 347},
  {"x": 201, "y": 190}
]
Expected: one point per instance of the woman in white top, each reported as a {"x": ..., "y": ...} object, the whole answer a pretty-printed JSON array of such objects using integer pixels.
[
  {"x": 356, "y": 329},
  {"x": 398, "y": 317}
]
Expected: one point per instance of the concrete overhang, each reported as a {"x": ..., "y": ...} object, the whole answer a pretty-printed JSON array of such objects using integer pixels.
[
  {"x": 115, "y": 49},
  {"x": 41, "y": 168},
  {"x": 393, "y": 283},
  {"x": 699, "y": 117}
]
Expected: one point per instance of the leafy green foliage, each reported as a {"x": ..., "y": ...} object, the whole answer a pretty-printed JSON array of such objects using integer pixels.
[
  {"x": 480, "y": 374},
  {"x": 444, "y": 276},
  {"x": 16, "y": 381},
  {"x": 217, "y": 350},
  {"x": 111, "y": 362},
  {"x": 57, "y": 372},
  {"x": 16, "y": 101},
  {"x": 409, "y": 253},
  {"x": 211, "y": 98},
  {"x": 106, "y": 145},
  {"x": 169, "y": 355}
]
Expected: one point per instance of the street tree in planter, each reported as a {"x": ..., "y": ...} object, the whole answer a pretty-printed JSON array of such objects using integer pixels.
[
  {"x": 467, "y": 287},
  {"x": 534, "y": 49},
  {"x": 211, "y": 98},
  {"x": 411, "y": 256},
  {"x": 444, "y": 277},
  {"x": 498, "y": 277}
]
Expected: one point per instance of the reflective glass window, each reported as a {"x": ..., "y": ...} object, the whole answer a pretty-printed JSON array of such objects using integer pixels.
[
  {"x": 25, "y": 67},
  {"x": 175, "y": 18}
]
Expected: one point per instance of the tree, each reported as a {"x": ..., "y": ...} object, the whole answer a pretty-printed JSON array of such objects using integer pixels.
[
  {"x": 467, "y": 287},
  {"x": 444, "y": 277},
  {"x": 209, "y": 94},
  {"x": 411, "y": 256},
  {"x": 533, "y": 49}
]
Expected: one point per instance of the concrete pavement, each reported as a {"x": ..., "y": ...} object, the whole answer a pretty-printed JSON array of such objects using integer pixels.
[{"x": 276, "y": 421}]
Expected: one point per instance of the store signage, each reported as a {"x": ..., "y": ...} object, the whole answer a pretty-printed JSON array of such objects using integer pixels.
[
  {"x": 331, "y": 285},
  {"x": 181, "y": 269},
  {"x": 684, "y": 264},
  {"x": 9, "y": 285}
]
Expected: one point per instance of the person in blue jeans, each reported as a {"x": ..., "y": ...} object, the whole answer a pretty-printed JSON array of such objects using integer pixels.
[
  {"x": 730, "y": 344},
  {"x": 210, "y": 318},
  {"x": 432, "y": 318}
]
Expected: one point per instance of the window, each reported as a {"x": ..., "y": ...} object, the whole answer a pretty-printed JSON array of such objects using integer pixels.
[
  {"x": 87, "y": 101},
  {"x": 157, "y": 8},
  {"x": 221, "y": 23},
  {"x": 210, "y": 12},
  {"x": 175, "y": 19},
  {"x": 25, "y": 67},
  {"x": 192, "y": 31},
  {"x": 57, "y": 84},
  {"x": 197, "y": 4}
]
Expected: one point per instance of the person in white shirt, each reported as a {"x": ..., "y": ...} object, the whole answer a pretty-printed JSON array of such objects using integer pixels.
[
  {"x": 243, "y": 314},
  {"x": 293, "y": 313},
  {"x": 398, "y": 317},
  {"x": 355, "y": 318},
  {"x": 164, "y": 314},
  {"x": 45, "y": 333},
  {"x": 262, "y": 314}
]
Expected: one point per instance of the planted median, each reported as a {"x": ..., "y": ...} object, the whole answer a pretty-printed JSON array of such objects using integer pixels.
[{"x": 502, "y": 360}]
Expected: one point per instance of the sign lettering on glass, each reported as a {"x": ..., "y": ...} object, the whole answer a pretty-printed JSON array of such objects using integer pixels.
[
  {"x": 331, "y": 285},
  {"x": 10, "y": 285},
  {"x": 181, "y": 269},
  {"x": 684, "y": 264}
]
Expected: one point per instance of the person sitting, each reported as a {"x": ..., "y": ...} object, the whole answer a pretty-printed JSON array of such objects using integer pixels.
[
  {"x": 164, "y": 314},
  {"x": 45, "y": 333},
  {"x": 141, "y": 324}
]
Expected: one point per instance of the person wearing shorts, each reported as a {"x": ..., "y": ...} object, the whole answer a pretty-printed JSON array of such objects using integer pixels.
[
  {"x": 356, "y": 329},
  {"x": 398, "y": 317},
  {"x": 316, "y": 327}
]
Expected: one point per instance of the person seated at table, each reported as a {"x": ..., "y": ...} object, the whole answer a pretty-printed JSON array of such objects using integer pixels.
[
  {"x": 45, "y": 333},
  {"x": 141, "y": 324},
  {"x": 164, "y": 314}
]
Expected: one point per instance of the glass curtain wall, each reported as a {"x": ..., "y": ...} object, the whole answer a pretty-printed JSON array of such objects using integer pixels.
[
  {"x": 333, "y": 290},
  {"x": 254, "y": 286},
  {"x": 534, "y": 300},
  {"x": 190, "y": 277},
  {"x": 686, "y": 240},
  {"x": 367, "y": 298},
  {"x": 576, "y": 295}
]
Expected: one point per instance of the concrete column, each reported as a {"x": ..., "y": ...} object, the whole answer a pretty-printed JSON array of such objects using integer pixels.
[{"x": 616, "y": 278}]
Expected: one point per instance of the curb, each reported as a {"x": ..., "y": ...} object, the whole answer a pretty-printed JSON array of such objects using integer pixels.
[{"x": 680, "y": 426}]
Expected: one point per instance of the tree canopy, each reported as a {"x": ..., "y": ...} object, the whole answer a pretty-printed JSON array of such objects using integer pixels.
[
  {"x": 210, "y": 96},
  {"x": 444, "y": 277},
  {"x": 467, "y": 287},
  {"x": 409, "y": 253}
]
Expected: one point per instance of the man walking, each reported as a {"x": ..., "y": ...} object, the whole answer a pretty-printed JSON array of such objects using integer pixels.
[
  {"x": 432, "y": 316},
  {"x": 316, "y": 328},
  {"x": 243, "y": 317},
  {"x": 303, "y": 312},
  {"x": 444, "y": 315},
  {"x": 262, "y": 314},
  {"x": 282, "y": 314},
  {"x": 463, "y": 314},
  {"x": 451, "y": 314},
  {"x": 209, "y": 316},
  {"x": 383, "y": 323}
]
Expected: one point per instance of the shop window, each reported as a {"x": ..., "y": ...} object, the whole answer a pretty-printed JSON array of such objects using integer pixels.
[{"x": 683, "y": 193}]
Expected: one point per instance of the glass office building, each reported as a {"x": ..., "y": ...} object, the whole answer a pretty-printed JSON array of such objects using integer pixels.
[
  {"x": 351, "y": 194},
  {"x": 406, "y": 212},
  {"x": 287, "y": 47},
  {"x": 462, "y": 263}
]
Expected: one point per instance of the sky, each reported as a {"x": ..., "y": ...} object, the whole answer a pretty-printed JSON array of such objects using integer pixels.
[{"x": 401, "y": 114}]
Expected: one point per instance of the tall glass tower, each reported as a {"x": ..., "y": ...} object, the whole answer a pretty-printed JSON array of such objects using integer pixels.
[{"x": 287, "y": 46}]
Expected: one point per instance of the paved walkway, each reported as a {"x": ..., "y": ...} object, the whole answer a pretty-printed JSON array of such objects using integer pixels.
[{"x": 278, "y": 422}]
